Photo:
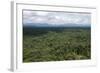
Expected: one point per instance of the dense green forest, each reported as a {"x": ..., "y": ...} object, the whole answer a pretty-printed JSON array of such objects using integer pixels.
[{"x": 56, "y": 45}]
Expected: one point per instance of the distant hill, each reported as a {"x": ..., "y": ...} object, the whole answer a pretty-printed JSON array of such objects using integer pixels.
[{"x": 54, "y": 25}]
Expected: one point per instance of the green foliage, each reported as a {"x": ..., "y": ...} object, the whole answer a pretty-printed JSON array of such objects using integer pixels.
[{"x": 69, "y": 44}]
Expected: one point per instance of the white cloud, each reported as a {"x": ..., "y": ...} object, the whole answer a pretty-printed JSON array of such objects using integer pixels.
[
  {"x": 41, "y": 13},
  {"x": 56, "y": 18}
]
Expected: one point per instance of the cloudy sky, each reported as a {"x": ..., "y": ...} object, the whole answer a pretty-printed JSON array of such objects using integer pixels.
[{"x": 56, "y": 18}]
